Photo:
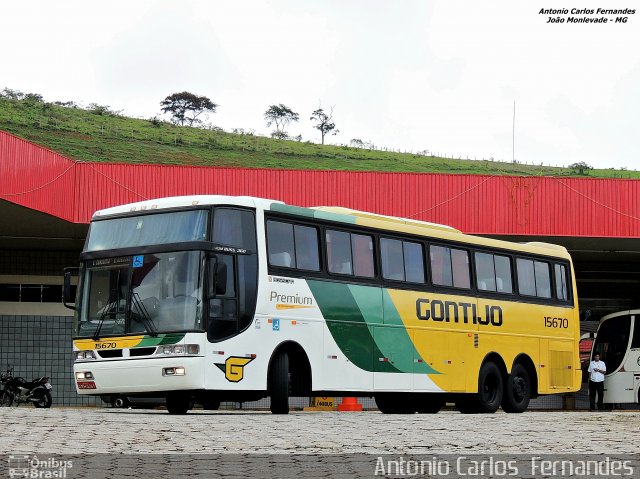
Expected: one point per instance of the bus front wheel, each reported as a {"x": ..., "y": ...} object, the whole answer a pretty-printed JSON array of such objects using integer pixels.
[
  {"x": 517, "y": 391},
  {"x": 210, "y": 404},
  {"x": 178, "y": 403},
  {"x": 280, "y": 384}
]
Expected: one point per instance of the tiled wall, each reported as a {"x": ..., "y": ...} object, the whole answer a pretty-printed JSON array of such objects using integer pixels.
[{"x": 41, "y": 346}]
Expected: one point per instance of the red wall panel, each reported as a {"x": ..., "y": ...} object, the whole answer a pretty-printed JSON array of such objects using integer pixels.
[{"x": 540, "y": 206}]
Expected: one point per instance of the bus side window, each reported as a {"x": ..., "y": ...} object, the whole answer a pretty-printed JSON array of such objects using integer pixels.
[
  {"x": 450, "y": 267},
  {"x": 635, "y": 341},
  {"x": 402, "y": 260},
  {"x": 493, "y": 273},
  {"x": 543, "y": 279},
  {"x": 233, "y": 227},
  {"x": 362, "y": 247},
  {"x": 526, "y": 277},
  {"x": 533, "y": 278},
  {"x": 392, "y": 259},
  {"x": 561, "y": 282},
  {"x": 339, "y": 252},
  {"x": 280, "y": 244},
  {"x": 485, "y": 272},
  {"x": 441, "y": 265},
  {"x": 504, "y": 284},
  {"x": 460, "y": 268},
  {"x": 413, "y": 262},
  {"x": 307, "y": 253}
]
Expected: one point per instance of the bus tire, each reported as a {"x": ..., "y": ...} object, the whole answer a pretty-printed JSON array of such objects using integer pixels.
[
  {"x": 517, "y": 390},
  {"x": 211, "y": 404},
  {"x": 429, "y": 403},
  {"x": 390, "y": 403},
  {"x": 489, "y": 396},
  {"x": 279, "y": 384},
  {"x": 178, "y": 403},
  {"x": 490, "y": 388},
  {"x": 467, "y": 404}
]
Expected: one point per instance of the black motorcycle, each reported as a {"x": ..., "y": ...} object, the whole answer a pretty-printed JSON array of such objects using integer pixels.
[
  {"x": 6, "y": 398},
  {"x": 19, "y": 390}
]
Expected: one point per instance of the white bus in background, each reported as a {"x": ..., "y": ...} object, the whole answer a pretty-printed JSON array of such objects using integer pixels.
[{"x": 618, "y": 343}]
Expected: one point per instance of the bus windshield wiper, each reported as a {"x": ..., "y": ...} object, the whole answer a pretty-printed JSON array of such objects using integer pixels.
[
  {"x": 106, "y": 311},
  {"x": 141, "y": 310}
]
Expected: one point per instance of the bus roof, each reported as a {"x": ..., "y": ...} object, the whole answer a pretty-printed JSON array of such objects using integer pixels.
[
  {"x": 627, "y": 312},
  {"x": 391, "y": 219},
  {"x": 419, "y": 228},
  {"x": 186, "y": 201},
  {"x": 342, "y": 215}
]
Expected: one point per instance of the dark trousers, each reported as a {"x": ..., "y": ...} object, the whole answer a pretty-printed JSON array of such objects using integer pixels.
[{"x": 593, "y": 389}]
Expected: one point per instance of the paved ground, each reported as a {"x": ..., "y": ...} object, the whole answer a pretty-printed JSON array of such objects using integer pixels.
[{"x": 72, "y": 431}]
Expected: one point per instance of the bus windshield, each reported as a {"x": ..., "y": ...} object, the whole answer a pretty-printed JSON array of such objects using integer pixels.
[
  {"x": 149, "y": 229},
  {"x": 612, "y": 340},
  {"x": 150, "y": 293}
]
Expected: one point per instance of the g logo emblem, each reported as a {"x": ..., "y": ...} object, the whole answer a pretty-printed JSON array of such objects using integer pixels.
[{"x": 233, "y": 368}]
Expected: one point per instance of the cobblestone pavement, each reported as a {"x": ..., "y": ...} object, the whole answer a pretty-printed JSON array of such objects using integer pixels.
[{"x": 89, "y": 430}]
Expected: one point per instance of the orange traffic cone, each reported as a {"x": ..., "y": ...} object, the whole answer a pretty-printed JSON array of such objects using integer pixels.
[{"x": 350, "y": 404}]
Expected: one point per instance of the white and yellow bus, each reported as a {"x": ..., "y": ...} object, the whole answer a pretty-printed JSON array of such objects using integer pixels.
[
  {"x": 618, "y": 344},
  {"x": 217, "y": 298}
]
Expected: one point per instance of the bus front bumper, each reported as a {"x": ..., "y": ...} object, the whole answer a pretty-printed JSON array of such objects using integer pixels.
[{"x": 174, "y": 373}]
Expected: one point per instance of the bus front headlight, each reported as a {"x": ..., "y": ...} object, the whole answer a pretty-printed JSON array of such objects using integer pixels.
[
  {"x": 85, "y": 355},
  {"x": 178, "y": 350}
]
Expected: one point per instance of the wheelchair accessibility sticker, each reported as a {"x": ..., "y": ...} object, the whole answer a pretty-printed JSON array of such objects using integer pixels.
[
  {"x": 138, "y": 261},
  {"x": 276, "y": 324}
]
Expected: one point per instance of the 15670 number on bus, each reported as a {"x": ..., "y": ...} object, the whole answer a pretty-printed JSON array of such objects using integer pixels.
[{"x": 551, "y": 322}]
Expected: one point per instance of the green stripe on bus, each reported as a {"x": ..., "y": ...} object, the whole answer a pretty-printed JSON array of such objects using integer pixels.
[
  {"x": 347, "y": 324},
  {"x": 395, "y": 341},
  {"x": 161, "y": 339},
  {"x": 311, "y": 213}
]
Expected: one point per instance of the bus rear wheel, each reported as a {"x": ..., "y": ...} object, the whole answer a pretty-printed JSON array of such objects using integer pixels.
[
  {"x": 280, "y": 384},
  {"x": 517, "y": 391},
  {"x": 489, "y": 396}
]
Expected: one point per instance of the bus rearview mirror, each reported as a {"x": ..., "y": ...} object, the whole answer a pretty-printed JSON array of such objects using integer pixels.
[{"x": 69, "y": 293}]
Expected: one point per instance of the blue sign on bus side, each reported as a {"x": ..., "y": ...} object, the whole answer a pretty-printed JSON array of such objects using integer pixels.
[
  {"x": 276, "y": 324},
  {"x": 138, "y": 261}
]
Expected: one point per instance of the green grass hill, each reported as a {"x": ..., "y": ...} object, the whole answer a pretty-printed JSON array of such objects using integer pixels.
[{"x": 101, "y": 136}]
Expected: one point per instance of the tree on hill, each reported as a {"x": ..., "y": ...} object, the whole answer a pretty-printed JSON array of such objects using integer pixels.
[
  {"x": 11, "y": 94},
  {"x": 324, "y": 123},
  {"x": 185, "y": 107},
  {"x": 581, "y": 167},
  {"x": 280, "y": 116}
]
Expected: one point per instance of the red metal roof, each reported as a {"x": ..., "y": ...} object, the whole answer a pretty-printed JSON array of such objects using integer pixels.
[{"x": 40, "y": 179}]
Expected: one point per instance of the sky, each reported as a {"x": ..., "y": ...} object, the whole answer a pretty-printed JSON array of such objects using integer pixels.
[{"x": 410, "y": 75}]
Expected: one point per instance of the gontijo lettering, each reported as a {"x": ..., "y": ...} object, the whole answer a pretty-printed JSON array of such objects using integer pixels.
[{"x": 451, "y": 311}]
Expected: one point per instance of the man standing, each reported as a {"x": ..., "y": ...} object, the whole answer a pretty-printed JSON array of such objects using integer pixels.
[{"x": 596, "y": 371}]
